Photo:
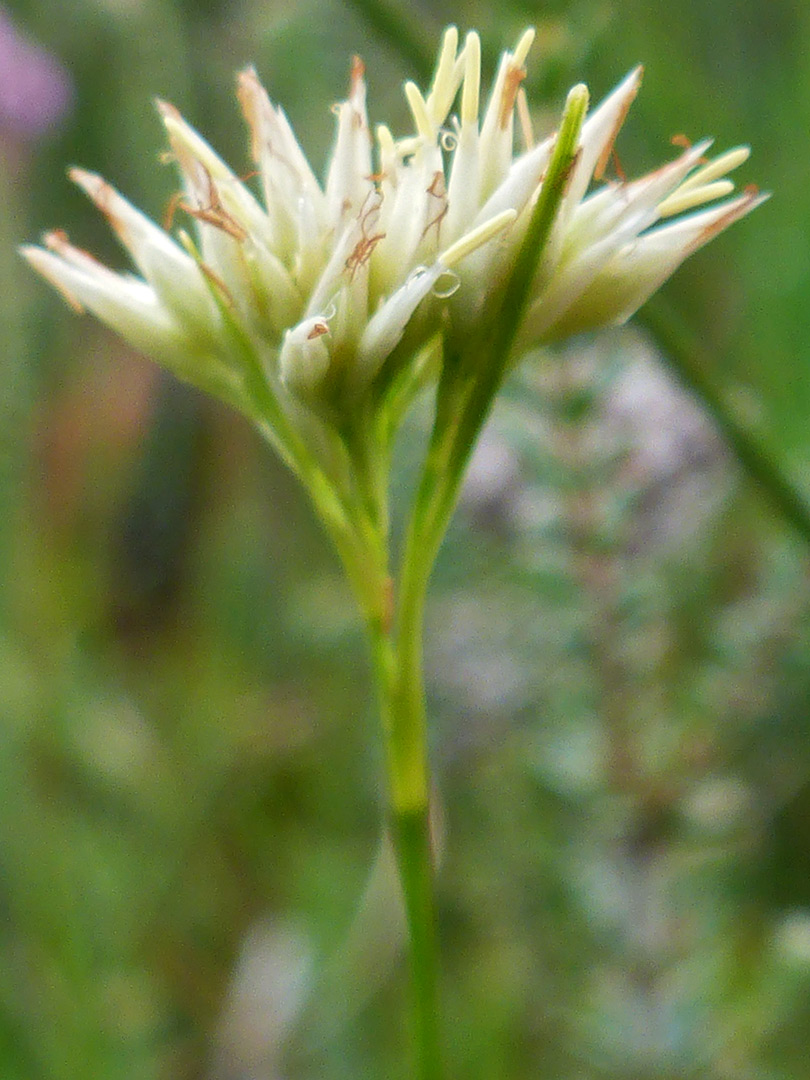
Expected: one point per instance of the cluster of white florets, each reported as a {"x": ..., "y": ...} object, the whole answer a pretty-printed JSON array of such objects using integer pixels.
[{"x": 415, "y": 234}]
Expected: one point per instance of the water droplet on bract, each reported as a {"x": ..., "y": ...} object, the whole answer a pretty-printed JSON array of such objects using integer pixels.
[
  {"x": 446, "y": 285},
  {"x": 416, "y": 273}
]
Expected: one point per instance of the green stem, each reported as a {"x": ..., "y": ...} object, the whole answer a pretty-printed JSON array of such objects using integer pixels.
[
  {"x": 412, "y": 843},
  {"x": 396, "y": 643},
  {"x": 397, "y": 662},
  {"x": 395, "y": 623}
]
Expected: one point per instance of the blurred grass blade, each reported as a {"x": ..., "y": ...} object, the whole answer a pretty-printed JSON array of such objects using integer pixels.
[
  {"x": 405, "y": 34},
  {"x": 688, "y": 358}
]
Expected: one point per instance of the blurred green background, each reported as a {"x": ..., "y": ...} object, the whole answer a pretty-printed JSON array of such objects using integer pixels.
[{"x": 618, "y": 638}]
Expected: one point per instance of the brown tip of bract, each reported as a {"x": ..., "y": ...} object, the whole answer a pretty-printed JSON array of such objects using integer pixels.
[
  {"x": 514, "y": 77},
  {"x": 630, "y": 96},
  {"x": 736, "y": 209},
  {"x": 253, "y": 101},
  {"x": 42, "y": 262},
  {"x": 56, "y": 240},
  {"x": 167, "y": 110},
  {"x": 358, "y": 71},
  {"x": 90, "y": 183}
]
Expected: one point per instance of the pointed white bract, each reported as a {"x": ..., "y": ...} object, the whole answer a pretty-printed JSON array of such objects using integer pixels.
[{"x": 407, "y": 239}]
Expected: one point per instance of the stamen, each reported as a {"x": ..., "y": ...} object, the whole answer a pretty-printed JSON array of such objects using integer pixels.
[
  {"x": 722, "y": 165},
  {"x": 476, "y": 238},
  {"x": 424, "y": 125},
  {"x": 681, "y": 200},
  {"x": 385, "y": 141},
  {"x": 444, "y": 86},
  {"x": 523, "y": 46},
  {"x": 472, "y": 79}
]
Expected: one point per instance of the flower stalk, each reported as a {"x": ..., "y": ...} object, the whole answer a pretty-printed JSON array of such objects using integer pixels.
[{"x": 321, "y": 311}]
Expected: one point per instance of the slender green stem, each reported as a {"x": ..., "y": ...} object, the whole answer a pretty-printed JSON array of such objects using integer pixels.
[
  {"x": 396, "y": 653},
  {"x": 358, "y": 523},
  {"x": 395, "y": 620},
  {"x": 412, "y": 844},
  {"x": 403, "y": 715}
]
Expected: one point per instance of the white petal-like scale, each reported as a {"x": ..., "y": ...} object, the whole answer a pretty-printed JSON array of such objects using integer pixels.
[
  {"x": 125, "y": 303},
  {"x": 599, "y": 136},
  {"x": 642, "y": 266},
  {"x": 304, "y": 359},
  {"x": 285, "y": 172},
  {"x": 386, "y": 327},
  {"x": 349, "y": 183},
  {"x": 173, "y": 274}
]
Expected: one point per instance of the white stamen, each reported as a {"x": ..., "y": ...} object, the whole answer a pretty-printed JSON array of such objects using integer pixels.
[
  {"x": 472, "y": 79},
  {"x": 688, "y": 199},
  {"x": 476, "y": 238},
  {"x": 523, "y": 46},
  {"x": 424, "y": 125},
  {"x": 444, "y": 86},
  {"x": 722, "y": 165}
]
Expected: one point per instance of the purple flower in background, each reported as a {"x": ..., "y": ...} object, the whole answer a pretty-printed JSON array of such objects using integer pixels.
[{"x": 35, "y": 90}]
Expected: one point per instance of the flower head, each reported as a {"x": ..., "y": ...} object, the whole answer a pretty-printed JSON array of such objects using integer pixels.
[{"x": 328, "y": 286}]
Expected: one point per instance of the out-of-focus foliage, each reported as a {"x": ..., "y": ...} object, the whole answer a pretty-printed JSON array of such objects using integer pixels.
[{"x": 618, "y": 641}]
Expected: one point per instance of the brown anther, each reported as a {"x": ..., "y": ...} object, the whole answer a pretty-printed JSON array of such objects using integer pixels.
[
  {"x": 681, "y": 140},
  {"x": 175, "y": 202},
  {"x": 362, "y": 250},
  {"x": 318, "y": 330},
  {"x": 438, "y": 191},
  {"x": 215, "y": 213}
]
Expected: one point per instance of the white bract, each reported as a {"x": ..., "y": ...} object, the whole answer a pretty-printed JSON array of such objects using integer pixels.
[{"x": 406, "y": 240}]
